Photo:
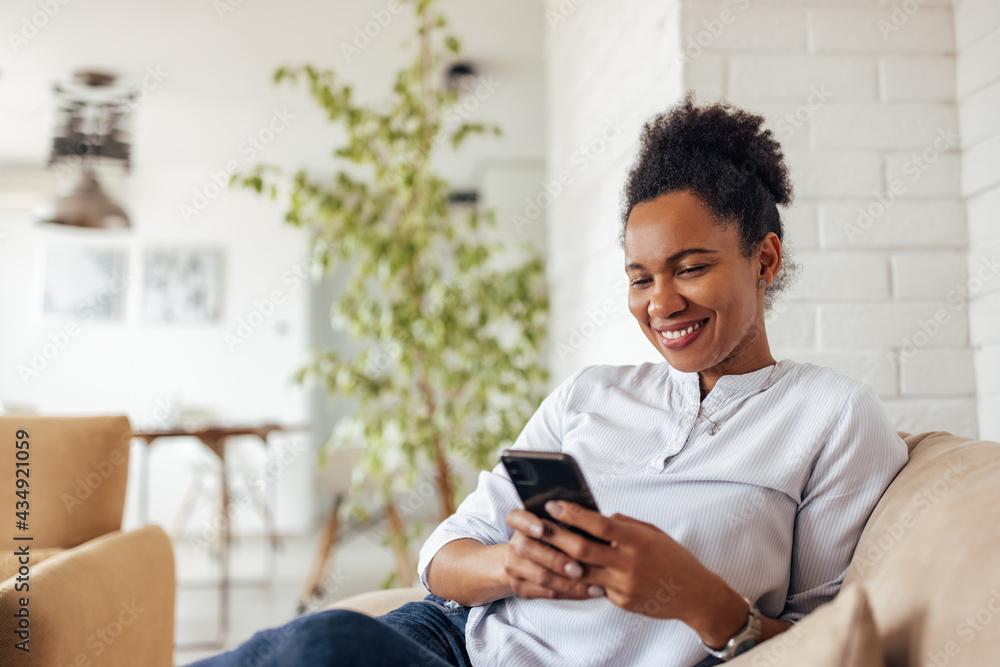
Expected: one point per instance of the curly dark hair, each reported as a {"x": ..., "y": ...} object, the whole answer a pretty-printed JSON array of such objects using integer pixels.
[{"x": 724, "y": 156}]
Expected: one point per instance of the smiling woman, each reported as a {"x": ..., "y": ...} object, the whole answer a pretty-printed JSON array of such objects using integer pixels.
[{"x": 675, "y": 453}]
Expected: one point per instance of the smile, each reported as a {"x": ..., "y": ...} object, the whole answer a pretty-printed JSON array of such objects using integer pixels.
[{"x": 681, "y": 337}]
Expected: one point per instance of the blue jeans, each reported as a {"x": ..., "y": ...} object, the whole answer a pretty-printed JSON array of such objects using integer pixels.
[{"x": 418, "y": 634}]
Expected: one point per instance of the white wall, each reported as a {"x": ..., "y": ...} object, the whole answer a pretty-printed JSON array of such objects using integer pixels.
[
  {"x": 214, "y": 89},
  {"x": 977, "y": 46},
  {"x": 852, "y": 102}
]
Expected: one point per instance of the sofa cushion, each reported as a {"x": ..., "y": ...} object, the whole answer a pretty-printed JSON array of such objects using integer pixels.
[
  {"x": 78, "y": 470},
  {"x": 841, "y": 633},
  {"x": 929, "y": 557},
  {"x": 10, "y": 562}
]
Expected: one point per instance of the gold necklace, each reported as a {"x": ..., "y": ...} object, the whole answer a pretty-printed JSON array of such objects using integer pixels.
[{"x": 715, "y": 424}]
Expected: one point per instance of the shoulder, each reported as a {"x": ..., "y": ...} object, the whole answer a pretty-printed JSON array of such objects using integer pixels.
[
  {"x": 594, "y": 384},
  {"x": 822, "y": 385}
]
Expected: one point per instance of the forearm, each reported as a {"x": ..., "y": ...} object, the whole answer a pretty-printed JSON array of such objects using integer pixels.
[
  {"x": 725, "y": 615},
  {"x": 469, "y": 572}
]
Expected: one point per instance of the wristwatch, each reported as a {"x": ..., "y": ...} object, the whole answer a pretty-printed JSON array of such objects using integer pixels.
[{"x": 744, "y": 640}]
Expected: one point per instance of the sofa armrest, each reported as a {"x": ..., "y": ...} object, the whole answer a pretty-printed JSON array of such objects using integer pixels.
[
  {"x": 108, "y": 602},
  {"x": 376, "y": 603}
]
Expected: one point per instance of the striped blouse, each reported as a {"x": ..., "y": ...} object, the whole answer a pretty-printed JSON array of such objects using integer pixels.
[{"x": 774, "y": 502}]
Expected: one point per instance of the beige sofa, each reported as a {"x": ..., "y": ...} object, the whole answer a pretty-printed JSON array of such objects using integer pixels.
[
  {"x": 923, "y": 588},
  {"x": 96, "y": 595}
]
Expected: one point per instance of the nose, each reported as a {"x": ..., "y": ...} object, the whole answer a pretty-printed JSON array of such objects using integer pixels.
[{"x": 665, "y": 300}]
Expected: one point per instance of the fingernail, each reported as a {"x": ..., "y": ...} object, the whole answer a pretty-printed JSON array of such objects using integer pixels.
[
  {"x": 574, "y": 570},
  {"x": 595, "y": 591},
  {"x": 553, "y": 507},
  {"x": 536, "y": 530}
]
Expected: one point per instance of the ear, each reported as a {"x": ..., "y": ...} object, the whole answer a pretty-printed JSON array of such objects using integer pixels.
[{"x": 769, "y": 257}]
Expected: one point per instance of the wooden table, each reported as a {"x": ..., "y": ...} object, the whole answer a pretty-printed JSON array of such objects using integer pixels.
[{"x": 214, "y": 438}]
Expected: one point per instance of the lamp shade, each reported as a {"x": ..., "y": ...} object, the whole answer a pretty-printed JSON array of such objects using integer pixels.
[{"x": 86, "y": 205}]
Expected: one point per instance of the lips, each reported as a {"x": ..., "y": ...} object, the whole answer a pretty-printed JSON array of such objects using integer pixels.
[{"x": 678, "y": 336}]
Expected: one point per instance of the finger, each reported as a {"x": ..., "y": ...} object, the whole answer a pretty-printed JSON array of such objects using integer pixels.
[
  {"x": 526, "y": 522},
  {"x": 578, "y": 547},
  {"x": 594, "y": 523},
  {"x": 529, "y": 591},
  {"x": 533, "y": 573},
  {"x": 545, "y": 556}
]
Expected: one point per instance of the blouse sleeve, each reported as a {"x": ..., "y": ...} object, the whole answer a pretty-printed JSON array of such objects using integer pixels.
[
  {"x": 860, "y": 459},
  {"x": 483, "y": 514}
]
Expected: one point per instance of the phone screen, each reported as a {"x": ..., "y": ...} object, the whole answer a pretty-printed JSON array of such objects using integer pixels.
[{"x": 543, "y": 476}]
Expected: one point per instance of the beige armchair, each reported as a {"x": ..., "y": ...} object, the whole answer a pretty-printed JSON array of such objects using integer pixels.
[{"x": 92, "y": 595}]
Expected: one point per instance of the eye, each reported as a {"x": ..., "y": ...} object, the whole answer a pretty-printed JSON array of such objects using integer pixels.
[
  {"x": 639, "y": 281},
  {"x": 692, "y": 269}
]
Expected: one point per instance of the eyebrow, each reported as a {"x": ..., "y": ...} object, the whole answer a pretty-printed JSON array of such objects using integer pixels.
[{"x": 676, "y": 257}]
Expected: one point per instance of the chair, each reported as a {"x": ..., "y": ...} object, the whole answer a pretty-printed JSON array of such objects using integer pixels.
[{"x": 96, "y": 595}]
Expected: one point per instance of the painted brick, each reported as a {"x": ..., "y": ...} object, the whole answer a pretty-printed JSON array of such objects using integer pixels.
[
  {"x": 984, "y": 319},
  {"x": 742, "y": 25},
  {"x": 938, "y": 373},
  {"x": 889, "y": 325},
  {"x": 988, "y": 363},
  {"x": 882, "y": 126},
  {"x": 984, "y": 268},
  {"x": 974, "y": 19},
  {"x": 981, "y": 166},
  {"x": 978, "y": 114},
  {"x": 801, "y": 227},
  {"x": 791, "y": 326},
  {"x": 926, "y": 173},
  {"x": 864, "y": 30},
  {"x": 839, "y": 276},
  {"x": 918, "y": 78},
  {"x": 989, "y": 418},
  {"x": 831, "y": 175},
  {"x": 706, "y": 75},
  {"x": 873, "y": 368},
  {"x": 904, "y": 224},
  {"x": 954, "y": 415},
  {"x": 791, "y": 131},
  {"x": 795, "y": 78},
  {"x": 927, "y": 276},
  {"x": 984, "y": 216},
  {"x": 978, "y": 64}
]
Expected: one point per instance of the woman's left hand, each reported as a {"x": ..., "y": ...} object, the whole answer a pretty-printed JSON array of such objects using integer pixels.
[{"x": 645, "y": 570}]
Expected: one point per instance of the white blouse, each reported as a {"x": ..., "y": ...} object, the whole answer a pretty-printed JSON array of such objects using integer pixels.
[{"x": 774, "y": 503}]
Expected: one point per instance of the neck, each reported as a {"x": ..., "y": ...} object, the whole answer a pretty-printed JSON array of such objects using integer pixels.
[{"x": 708, "y": 378}]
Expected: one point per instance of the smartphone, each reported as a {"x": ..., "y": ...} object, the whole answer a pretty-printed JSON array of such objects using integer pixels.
[{"x": 543, "y": 476}]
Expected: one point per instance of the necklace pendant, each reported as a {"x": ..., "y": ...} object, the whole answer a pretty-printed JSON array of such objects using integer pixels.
[{"x": 713, "y": 430}]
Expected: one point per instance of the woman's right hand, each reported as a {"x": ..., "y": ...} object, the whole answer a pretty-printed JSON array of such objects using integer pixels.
[{"x": 537, "y": 570}]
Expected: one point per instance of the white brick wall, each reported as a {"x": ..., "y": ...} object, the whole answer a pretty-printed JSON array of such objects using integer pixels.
[
  {"x": 883, "y": 215},
  {"x": 977, "y": 44}
]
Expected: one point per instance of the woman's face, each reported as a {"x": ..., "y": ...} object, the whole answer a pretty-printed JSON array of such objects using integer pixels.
[{"x": 691, "y": 289}]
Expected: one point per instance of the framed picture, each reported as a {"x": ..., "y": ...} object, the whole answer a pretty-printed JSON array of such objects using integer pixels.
[
  {"x": 84, "y": 282},
  {"x": 181, "y": 285}
]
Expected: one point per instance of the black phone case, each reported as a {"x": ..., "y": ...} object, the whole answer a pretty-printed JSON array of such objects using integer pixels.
[{"x": 557, "y": 476}]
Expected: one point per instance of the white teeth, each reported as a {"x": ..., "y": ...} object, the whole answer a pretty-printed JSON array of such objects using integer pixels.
[{"x": 673, "y": 335}]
